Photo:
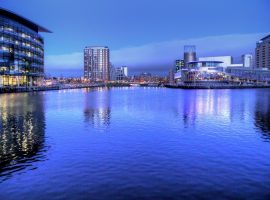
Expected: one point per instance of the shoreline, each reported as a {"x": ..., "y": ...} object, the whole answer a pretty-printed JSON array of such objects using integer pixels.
[
  {"x": 9, "y": 90},
  {"x": 217, "y": 86},
  {"x": 40, "y": 89}
]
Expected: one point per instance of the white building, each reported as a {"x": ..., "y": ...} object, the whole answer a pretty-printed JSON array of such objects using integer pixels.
[
  {"x": 125, "y": 71},
  {"x": 235, "y": 65},
  {"x": 247, "y": 60},
  {"x": 121, "y": 73},
  {"x": 226, "y": 60}
]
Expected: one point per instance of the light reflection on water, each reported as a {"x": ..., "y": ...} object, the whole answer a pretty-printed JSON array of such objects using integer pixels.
[
  {"x": 97, "y": 108},
  {"x": 132, "y": 143},
  {"x": 22, "y": 132}
]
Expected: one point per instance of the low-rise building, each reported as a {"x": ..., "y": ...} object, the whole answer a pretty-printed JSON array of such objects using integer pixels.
[
  {"x": 121, "y": 73},
  {"x": 248, "y": 73},
  {"x": 203, "y": 70}
]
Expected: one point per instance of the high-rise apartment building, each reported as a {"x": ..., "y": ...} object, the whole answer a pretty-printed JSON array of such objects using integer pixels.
[
  {"x": 97, "y": 63},
  {"x": 262, "y": 52},
  {"x": 21, "y": 51},
  {"x": 247, "y": 60}
]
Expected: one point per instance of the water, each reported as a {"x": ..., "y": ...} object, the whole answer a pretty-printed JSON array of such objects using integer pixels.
[{"x": 135, "y": 143}]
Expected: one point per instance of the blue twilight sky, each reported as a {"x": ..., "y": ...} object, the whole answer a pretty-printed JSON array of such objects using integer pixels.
[{"x": 146, "y": 35}]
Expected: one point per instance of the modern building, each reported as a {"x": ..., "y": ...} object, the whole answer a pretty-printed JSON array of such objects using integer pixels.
[
  {"x": 247, "y": 60},
  {"x": 21, "y": 51},
  {"x": 179, "y": 64},
  {"x": 206, "y": 66},
  {"x": 248, "y": 73},
  {"x": 121, "y": 73},
  {"x": 171, "y": 77},
  {"x": 112, "y": 73},
  {"x": 262, "y": 53},
  {"x": 235, "y": 65},
  {"x": 97, "y": 63},
  {"x": 125, "y": 70},
  {"x": 202, "y": 70},
  {"x": 189, "y": 54},
  {"x": 226, "y": 60}
]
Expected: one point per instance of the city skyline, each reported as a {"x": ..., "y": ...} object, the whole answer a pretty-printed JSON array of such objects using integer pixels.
[
  {"x": 145, "y": 99},
  {"x": 149, "y": 41}
]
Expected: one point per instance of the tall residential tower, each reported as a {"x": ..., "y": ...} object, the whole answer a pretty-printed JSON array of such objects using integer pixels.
[{"x": 97, "y": 63}]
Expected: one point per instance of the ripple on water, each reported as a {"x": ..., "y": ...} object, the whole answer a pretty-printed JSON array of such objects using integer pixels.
[{"x": 135, "y": 143}]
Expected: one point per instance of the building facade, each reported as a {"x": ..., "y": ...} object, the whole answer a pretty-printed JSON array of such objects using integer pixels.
[
  {"x": 125, "y": 70},
  {"x": 248, "y": 73},
  {"x": 262, "y": 52},
  {"x": 203, "y": 70},
  {"x": 21, "y": 51},
  {"x": 247, "y": 60},
  {"x": 97, "y": 63},
  {"x": 112, "y": 72},
  {"x": 179, "y": 64},
  {"x": 189, "y": 54},
  {"x": 226, "y": 60},
  {"x": 121, "y": 73}
]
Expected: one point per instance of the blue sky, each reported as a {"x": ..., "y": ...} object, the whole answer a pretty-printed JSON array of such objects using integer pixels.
[{"x": 146, "y": 35}]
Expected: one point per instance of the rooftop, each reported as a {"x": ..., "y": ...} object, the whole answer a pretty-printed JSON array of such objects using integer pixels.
[
  {"x": 266, "y": 37},
  {"x": 96, "y": 47},
  {"x": 208, "y": 61},
  {"x": 23, "y": 21}
]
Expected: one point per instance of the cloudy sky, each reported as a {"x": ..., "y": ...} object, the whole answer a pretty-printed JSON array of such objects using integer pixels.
[{"x": 146, "y": 35}]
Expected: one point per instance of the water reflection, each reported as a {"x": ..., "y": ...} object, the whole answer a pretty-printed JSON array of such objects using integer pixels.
[
  {"x": 262, "y": 113},
  {"x": 97, "y": 110},
  {"x": 197, "y": 105},
  {"x": 22, "y": 130},
  {"x": 209, "y": 106}
]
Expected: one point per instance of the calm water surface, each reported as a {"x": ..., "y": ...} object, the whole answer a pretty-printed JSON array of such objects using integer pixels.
[{"x": 135, "y": 143}]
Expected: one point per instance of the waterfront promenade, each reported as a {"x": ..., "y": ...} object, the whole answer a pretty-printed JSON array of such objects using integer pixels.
[
  {"x": 46, "y": 88},
  {"x": 72, "y": 86}
]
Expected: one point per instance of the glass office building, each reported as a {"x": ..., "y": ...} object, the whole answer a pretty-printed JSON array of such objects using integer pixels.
[{"x": 21, "y": 51}]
